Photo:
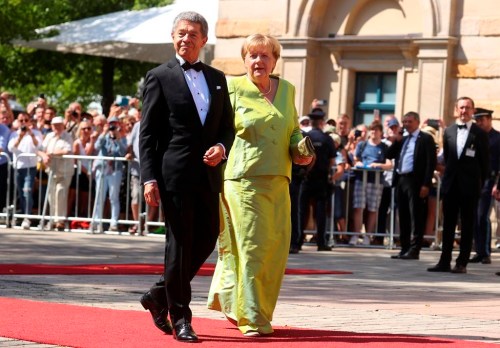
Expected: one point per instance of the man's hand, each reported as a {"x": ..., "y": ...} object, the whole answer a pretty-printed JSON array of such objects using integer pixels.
[
  {"x": 152, "y": 194},
  {"x": 213, "y": 156}
]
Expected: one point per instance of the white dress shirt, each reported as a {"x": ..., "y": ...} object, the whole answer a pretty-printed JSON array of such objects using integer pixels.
[
  {"x": 26, "y": 146},
  {"x": 462, "y": 135},
  {"x": 199, "y": 90}
]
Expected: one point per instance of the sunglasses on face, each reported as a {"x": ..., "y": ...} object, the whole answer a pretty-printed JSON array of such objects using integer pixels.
[{"x": 86, "y": 128}]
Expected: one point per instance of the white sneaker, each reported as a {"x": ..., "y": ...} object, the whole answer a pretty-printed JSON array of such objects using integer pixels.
[
  {"x": 497, "y": 246},
  {"x": 353, "y": 240},
  {"x": 366, "y": 240},
  {"x": 26, "y": 224}
]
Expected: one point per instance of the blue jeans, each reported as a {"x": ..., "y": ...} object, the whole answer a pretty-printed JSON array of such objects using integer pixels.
[
  {"x": 25, "y": 181},
  {"x": 105, "y": 182}
]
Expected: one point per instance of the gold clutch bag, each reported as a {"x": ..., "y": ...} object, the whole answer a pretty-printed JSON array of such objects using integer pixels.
[{"x": 306, "y": 147}]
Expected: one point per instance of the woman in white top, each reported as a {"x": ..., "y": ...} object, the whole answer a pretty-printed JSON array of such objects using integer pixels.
[{"x": 83, "y": 146}]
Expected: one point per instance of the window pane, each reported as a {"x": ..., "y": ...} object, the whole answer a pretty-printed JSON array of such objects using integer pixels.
[
  {"x": 368, "y": 86},
  {"x": 389, "y": 89}
]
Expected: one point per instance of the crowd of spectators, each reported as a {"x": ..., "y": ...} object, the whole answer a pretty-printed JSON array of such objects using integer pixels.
[
  {"x": 360, "y": 179},
  {"x": 362, "y": 206},
  {"x": 35, "y": 139}
]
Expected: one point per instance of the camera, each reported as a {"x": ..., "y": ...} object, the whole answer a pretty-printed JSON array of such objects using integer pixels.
[
  {"x": 113, "y": 127},
  {"x": 74, "y": 113},
  {"x": 357, "y": 133},
  {"x": 434, "y": 123},
  {"x": 24, "y": 128},
  {"x": 321, "y": 102}
]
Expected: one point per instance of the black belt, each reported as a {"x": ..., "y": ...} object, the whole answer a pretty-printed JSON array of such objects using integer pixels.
[{"x": 406, "y": 174}]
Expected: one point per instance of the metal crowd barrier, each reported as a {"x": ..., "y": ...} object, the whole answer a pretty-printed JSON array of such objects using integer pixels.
[
  {"x": 42, "y": 204},
  {"x": 391, "y": 234},
  {"x": 6, "y": 212},
  {"x": 12, "y": 214}
]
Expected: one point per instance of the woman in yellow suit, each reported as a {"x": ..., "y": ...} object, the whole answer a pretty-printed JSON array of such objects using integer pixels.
[{"x": 253, "y": 248}]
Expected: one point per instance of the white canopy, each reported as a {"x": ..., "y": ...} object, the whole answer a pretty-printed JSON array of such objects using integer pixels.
[{"x": 137, "y": 35}]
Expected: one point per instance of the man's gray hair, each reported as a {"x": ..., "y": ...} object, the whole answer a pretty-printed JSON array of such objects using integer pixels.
[{"x": 194, "y": 17}]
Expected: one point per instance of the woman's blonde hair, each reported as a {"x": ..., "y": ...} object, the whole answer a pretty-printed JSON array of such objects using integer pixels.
[
  {"x": 80, "y": 126},
  {"x": 259, "y": 40}
]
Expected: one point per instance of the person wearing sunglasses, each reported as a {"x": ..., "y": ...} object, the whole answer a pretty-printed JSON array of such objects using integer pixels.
[{"x": 25, "y": 140}]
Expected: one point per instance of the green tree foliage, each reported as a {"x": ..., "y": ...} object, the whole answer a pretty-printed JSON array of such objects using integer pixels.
[{"x": 61, "y": 77}]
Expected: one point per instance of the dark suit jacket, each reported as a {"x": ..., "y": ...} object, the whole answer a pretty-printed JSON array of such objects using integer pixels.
[
  {"x": 172, "y": 137},
  {"x": 424, "y": 159},
  {"x": 469, "y": 171}
]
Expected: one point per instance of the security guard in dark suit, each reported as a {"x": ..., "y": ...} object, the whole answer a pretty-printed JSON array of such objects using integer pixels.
[
  {"x": 482, "y": 229},
  {"x": 315, "y": 184}
]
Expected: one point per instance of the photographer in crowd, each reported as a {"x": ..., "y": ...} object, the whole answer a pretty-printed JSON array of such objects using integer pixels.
[
  {"x": 72, "y": 118},
  {"x": 25, "y": 140},
  {"x": 108, "y": 174}
]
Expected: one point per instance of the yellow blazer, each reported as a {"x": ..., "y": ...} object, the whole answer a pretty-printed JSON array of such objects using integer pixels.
[{"x": 264, "y": 132}]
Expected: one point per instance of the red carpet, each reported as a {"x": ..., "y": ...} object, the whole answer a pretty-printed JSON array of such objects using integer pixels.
[
  {"x": 123, "y": 269},
  {"x": 90, "y": 327}
]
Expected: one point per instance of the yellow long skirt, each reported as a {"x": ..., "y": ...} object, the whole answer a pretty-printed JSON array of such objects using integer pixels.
[{"x": 253, "y": 251}]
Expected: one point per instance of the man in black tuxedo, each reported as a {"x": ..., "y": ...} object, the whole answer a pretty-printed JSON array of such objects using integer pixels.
[
  {"x": 415, "y": 161},
  {"x": 186, "y": 131},
  {"x": 466, "y": 158}
]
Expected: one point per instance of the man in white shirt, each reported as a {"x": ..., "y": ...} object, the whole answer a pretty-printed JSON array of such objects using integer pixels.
[{"x": 24, "y": 142}]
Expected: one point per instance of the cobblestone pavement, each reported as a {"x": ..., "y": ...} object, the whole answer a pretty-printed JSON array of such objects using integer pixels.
[{"x": 380, "y": 296}]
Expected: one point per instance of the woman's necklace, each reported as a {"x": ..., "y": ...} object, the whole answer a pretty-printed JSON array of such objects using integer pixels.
[{"x": 270, "y": 87}]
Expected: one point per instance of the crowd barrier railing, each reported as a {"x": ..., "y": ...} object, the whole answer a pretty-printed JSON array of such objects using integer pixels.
[
  {"x": 6, "y": 212},
  {"x": 41, "y": 206},
  {"x": 141, "y": 221},
  {"x": 391, "y": 233}
]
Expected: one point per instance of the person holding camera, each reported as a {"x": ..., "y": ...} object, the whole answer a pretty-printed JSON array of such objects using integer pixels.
[
  {"x": 72, "y": 118},
  {"x": 25, "y": 140},
  {"x": 108, "y": 174}
]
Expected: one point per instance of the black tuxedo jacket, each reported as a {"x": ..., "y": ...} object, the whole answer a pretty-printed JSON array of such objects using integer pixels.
[
  {"x": 470, "y": 169},
  {"x": 424, "y": 159},
  {"x": 172, "y": 137}
]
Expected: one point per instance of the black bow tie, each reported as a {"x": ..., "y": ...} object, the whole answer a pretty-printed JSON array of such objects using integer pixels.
[
  {"x": 462, "y": 126},
  {"x": 196, "y": 66}
]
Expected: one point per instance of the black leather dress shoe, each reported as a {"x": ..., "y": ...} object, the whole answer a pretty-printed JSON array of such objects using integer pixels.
[
  {"x": 439, "y": 268},
  {"x": 293, "y": 250},
  {"x": 486, "y": 260},
  {"x": 324, "y": 248},
  {"x": 476, "y": 259},
  {"x": 184, "y": 332},
  {"x": 411, "y": 255},
  {"x": 459, "y": 269},
  {"x": 397, "y": 256},
  {"x": 159, "y": 314}
]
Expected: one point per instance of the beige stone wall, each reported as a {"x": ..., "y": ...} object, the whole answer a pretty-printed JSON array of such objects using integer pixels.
[
  {"x": 440, "y": 49},
  {"x": 477, "y": 57}
]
